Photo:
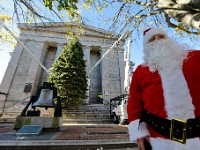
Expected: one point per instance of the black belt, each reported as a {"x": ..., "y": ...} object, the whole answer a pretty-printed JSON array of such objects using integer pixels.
[{"x": 174, "y": 129}]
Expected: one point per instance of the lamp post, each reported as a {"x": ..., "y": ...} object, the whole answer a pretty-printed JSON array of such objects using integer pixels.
[{"x": 127, "y": 66}]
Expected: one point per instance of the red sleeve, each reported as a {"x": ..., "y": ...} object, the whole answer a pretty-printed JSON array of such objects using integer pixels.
[
  {"x": 134, "y": 107},
  {"x": 191, "y": 72}
]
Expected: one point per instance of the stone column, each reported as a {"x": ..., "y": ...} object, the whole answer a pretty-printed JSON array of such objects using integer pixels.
[
  {"x": 60, "y": 47},
  {"x": 34, "y": 71},
  {"x": 105, "y": 74},
  {"x": 86, "y": 52},
  {"x": 9, "y": 75},
  {"x": 122, "y": 66}
]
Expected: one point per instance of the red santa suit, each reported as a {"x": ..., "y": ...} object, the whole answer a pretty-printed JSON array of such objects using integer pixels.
[{"x": 168, "y": 95}]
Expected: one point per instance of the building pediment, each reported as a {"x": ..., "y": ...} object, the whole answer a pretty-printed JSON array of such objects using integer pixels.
[{"x": 67, "y": 28}]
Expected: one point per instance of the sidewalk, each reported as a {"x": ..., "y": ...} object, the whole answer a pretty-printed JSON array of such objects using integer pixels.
[{"x": 70, "y": 137}]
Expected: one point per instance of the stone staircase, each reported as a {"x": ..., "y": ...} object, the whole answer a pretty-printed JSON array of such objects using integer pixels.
[
  {"x": 87, "y": 127},
  {"x": 88, "y": 114}
]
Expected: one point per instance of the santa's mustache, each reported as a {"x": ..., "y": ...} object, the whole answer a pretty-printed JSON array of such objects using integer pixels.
[{"x": 164, "y": 54}]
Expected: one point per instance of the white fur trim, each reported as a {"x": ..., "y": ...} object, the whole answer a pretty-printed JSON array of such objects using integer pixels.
[
  {"x": 178, "y": 101},
  {"x": 136, "y": 131},
  {"x": 152, "y": 32},
  {"x": 165, "y": 144}
]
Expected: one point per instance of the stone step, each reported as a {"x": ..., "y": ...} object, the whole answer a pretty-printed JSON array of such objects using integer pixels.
[
  {"x": 84, "y": 109},
  {"x": 87, "y": 115},
  {"x": 70, "y": 121},
  {"x": 93, "y": 116},
  {"x": 7, "y": 120},
  {"x": 92, "y": 107},
  {"x": 87, "y": 121},
  {"x": 86, "y": 112},
  {"x": 69, "y": 145},
  {"x": 10, "y": 115}
]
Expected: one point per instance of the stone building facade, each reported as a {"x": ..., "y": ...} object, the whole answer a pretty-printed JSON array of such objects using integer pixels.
[{"x": 46, "y": 42}]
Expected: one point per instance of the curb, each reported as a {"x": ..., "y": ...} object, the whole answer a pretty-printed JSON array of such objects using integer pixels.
[{"x": 65, "y": 145}]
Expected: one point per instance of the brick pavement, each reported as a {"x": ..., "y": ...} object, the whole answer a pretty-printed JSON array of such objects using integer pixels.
[
  {"x": 80, "y": 132},
  {"x": 5, "y": 129},
  {"x": 92, "y": 133},
  {"x": 69, "y": 137}
]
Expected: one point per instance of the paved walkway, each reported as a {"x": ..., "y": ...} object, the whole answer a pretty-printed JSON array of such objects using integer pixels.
[{"x": 86, "y": 137}]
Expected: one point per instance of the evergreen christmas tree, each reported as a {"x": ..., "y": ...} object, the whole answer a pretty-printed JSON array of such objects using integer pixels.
[{"x": 69, "y": 75}]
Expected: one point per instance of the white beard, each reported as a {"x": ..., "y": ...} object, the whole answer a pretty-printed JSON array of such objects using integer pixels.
[{"x": 164, "y": 54}]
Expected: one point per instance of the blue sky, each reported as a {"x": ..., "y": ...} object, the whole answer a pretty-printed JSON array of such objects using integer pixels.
[
  {"x": 137, "y": 37},
  {"x": 4, "y": 58},
  {"x": 98, "y": 20}
]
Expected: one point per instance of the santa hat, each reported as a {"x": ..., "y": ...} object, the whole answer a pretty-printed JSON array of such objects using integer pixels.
[{"x": 152, "y": 31}]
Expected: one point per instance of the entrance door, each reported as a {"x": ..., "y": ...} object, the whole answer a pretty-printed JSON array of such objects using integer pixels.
[{"x": 95, "y": 78}]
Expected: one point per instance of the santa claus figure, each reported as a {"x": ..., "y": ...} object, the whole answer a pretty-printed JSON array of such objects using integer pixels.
[{"x": 164, "y": 101}]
